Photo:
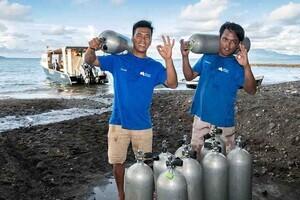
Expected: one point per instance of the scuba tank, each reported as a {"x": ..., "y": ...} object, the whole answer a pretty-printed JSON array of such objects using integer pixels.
[
  {"x": 192, "y": 171},
  {"x": 183, "y": 143},
  {"x": 209, "y": 139},
  {"x": 159, "y": 163},
  {"x": 139, "y": 179},
  {"x": 207, "y": 147},
  {"x": 215, "y": 169},
  {"x": 240, "y": 172},
  {"x": 113, "y": 42},
  {"x": 205, "y": 43},
  {"x": 171, "y": 184}
]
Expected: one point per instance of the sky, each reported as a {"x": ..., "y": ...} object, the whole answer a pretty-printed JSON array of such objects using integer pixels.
[{"x": 27, "y": 27}]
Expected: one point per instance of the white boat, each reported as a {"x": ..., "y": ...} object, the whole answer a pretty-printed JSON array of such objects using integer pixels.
[
  {"x": 194, "y": 83},
  {"x": 66, "y": 66}
]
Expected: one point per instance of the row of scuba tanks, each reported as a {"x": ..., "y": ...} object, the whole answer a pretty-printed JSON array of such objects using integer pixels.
[
  {"x": 113, "y": 43},
  {"x": 214, "y": 176}
]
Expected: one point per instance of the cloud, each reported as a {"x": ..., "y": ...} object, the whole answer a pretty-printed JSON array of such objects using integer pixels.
[
  {"x": 91, "y": 31},
  {"x": 288, "y": 14},
  {"x": 284, "y": 42},
  {"x": 20, "y": 52},
  {"x": 203, "y": 16},
  {"x": 2, "y": 27},
  {"x": 205, "y": 10},
  {"x": 260, "y": 30},
  {"x": 14, "y": 11},
  {"x": 12, "y": 50},
  {"x": 59, "y": 30},
  {"x": 278, "y": 31},
  {"x": 114, "y": 2},
  {"x": 19, "y": 35},
  {"x": 203, "y": 26},
  {"x": 81, "y": 1},
  {"x": 24, "y": 37},
  {"x": 117, "y": 2}
]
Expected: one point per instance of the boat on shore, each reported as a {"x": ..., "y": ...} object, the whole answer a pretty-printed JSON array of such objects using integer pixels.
[
  {"x": 194, "y": 83},
  {"x": 66, "y": 66}
]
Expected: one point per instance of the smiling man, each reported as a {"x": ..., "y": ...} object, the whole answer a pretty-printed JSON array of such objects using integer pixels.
[
  {"x": 221, "y": 75},
  {"x": 135, "y": 76}
]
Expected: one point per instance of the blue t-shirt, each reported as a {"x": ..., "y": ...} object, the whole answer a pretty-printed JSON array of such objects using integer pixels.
[
  {"x": 134, "y": 82},
  {"x": 220, "y": 79}
]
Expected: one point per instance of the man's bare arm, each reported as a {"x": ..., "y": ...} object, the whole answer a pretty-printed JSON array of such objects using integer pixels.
[
  {"x": 188, "y": 72},
  {"x": 90, "y": 54}
]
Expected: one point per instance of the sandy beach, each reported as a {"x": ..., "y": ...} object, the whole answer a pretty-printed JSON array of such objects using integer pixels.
[{"x": 65, "y": 160}]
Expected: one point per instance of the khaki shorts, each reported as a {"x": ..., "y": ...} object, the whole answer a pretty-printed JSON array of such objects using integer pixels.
[
  {"x": 201, "y": 128},
  {"x": 119, "y": 140}
]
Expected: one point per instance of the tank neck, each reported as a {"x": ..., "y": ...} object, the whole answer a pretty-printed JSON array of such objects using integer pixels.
[{"x": 140, "y": 157}]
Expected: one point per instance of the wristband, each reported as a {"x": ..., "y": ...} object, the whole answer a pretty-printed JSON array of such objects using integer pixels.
[{"x": 92, "y": 48}]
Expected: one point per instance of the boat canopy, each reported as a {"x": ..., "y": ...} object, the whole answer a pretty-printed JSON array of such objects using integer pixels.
[{"x": 79, "y": 49}]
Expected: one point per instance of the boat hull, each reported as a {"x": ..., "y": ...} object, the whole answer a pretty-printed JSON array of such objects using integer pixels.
[
  {"x": 58, "y": 77},
  {"x": 66, "y": 66}
]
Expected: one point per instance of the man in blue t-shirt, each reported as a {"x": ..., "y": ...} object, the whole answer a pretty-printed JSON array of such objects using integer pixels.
[
  {"x": 135, "y": 76},
  {"x": 221, "y": 75}
]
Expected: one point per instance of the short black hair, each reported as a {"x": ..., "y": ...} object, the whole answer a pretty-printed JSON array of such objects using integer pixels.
[
  {"x": 238, "y": 29},
  {"x": 144, "y": 24}
]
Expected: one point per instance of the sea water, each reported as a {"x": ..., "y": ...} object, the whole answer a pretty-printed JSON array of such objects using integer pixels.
[{"x": 24, "y": 78}]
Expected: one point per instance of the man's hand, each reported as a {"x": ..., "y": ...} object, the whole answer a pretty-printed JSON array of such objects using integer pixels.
[
  {"x": 90, "y": 55},
  {"x": 184, "y": 48},
  {"x": 95, "y": 44},
  {"x": 166, "y": 50},
  {"x": 242, "y": 56}
]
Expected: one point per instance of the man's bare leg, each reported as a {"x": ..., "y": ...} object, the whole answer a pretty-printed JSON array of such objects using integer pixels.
[{"x": 119, "y": 171}]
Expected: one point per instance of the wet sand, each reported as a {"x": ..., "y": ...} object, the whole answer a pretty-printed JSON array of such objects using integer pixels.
[{"x": 65, "y": 160}]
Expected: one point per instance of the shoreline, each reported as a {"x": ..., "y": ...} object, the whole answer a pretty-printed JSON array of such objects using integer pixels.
[
  {"x": 64, "y": 160},
  {"x": 294, "y": 65}
]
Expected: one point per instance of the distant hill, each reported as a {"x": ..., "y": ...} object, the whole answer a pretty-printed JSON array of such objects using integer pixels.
[
  {"x": 2, "y": 57},
  {"x": 265, "y": 56}
]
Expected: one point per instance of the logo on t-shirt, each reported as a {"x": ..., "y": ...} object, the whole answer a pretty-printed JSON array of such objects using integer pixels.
[
  {"x": 207, "y": 62},
  {"x": 222, "y": 69},
  {"x": 145, "y": 74},
  {"x": 123, "y": 69}
]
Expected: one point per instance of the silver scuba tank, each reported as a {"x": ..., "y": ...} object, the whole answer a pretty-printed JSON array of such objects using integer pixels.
[
  {"x": 113, "y": 42},
  {"x": 213, "y": 136},
  {"x": 206, "y": 43},
  {"x": 215, "y": 177},
  {"x": 207, "y": 147},
  {"x": 159, "y": 163},
  {"x": 240, "y": 172},
  {"x": 171, "y": 184},
  {"x": 139, "y": 180},
  {"x": 192, "y": 171},
  {"x": 183, "y": 143}
]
